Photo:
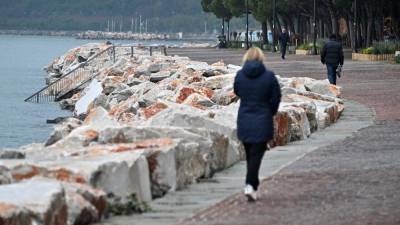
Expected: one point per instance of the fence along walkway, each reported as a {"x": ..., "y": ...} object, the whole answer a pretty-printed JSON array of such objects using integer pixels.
[{"x": 84, "y": 73}]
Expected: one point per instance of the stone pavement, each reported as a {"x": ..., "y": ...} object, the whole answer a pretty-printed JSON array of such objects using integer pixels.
[
  {"x": 347, "y": 177},
  {"x": 355, "y": 181}
]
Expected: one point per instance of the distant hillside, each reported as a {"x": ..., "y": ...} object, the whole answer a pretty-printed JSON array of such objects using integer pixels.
[{"x": 162, "y": 15}]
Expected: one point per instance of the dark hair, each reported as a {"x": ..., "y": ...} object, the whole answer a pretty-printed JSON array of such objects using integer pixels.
[{"x": 332, "y": 37}]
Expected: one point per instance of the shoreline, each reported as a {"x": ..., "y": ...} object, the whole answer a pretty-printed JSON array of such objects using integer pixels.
[
  {"x": 38, "y": 33},
  {"x": 112, "y": 36}
]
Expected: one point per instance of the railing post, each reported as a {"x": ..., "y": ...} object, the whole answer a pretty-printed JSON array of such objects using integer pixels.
[
  {"x": 165, "y": 50},
  {"x": 151, "y": 50},
  {"x": 131, "y": 51},
  {"x": 113, "y": 53}
]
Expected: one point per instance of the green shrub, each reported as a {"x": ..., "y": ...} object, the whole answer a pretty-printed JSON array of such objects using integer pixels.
[
  {"x": 385, "y": 47},
  {"x": 310, "y": 45},
  {"x": 320, "y": 43},
  {"x": 131, "y": 205},
  {"x": 397, "y": 59},
  {"x": 368, "y": 51},
  {"x": 303, "y": 47},
  {"x": 267, "y": 47}
]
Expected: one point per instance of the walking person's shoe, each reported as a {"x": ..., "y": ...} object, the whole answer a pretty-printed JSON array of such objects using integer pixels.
[{"x": 250, "y": 193}]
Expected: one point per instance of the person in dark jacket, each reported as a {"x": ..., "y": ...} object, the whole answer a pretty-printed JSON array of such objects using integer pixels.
[
  {"x": 260, "y": 96},
  {"x": 332, "y": 56},
  {"x": 283, "y": 41}
]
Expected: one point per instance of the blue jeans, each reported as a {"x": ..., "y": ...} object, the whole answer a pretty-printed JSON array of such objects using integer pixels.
[{"x": 332, "y": 73}]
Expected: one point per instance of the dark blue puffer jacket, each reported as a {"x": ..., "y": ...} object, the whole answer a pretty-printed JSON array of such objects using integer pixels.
[{"x": 260, "y": 95}]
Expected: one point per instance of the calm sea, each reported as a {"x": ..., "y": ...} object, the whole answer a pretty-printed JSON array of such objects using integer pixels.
[{"x": 22, "y": 59}]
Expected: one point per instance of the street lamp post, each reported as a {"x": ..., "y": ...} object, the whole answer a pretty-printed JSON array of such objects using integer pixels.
[
  {"x": 247, "y": 24},
  {"x": 315, "y": 29},
  {"x": 273, "y": 25}
]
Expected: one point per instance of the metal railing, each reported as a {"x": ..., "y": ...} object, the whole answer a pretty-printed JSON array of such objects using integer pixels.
[
  {"x": 67, "y": 81},
  {"x": 86, "y": 71}
]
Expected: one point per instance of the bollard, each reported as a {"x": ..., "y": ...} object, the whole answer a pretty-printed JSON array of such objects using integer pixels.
[
  {"x": 131, "y": 51},
  {"x": 151, "y": 51},
  {"x": 165, "y": 50},
  {"x": 114, "y": 54}
]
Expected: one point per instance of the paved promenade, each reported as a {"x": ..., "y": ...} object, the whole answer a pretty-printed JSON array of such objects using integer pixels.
[{"x": 346, "y": 174}]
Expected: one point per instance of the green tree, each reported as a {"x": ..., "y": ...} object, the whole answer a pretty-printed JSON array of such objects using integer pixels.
[{"x": 218, "y": 8}]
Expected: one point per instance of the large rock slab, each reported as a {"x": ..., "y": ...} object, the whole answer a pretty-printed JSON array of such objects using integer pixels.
[
  {"x": 11, "y": 154},
  {"x": 199, "y": 153},
  {"x": 89, "y": 95},
  {"x": 21, "y": 203},
  {"x": 156, "y": 77},
  {"x": 222, "y": 121},
  {"x": 219, "y": 82},
  {"x": 326, "y": 112},
  {"x": 311, "y": 110},
  {"x": 11, "y": 214},
  {"x": 120, "y": 173},
  {"x": 97, "y": 119},
  {"x": 79, "y": 137},
  {"x": 290, "y": 124},
  {"x": 198, "y": 101},
  {"x": 101, "y": 167},
  {"x": 323, "y": 87},
  {"x": 5, "y": 175},
  {"x": 62, "y": 130},
  {"x": 80, "y": 211},
  {"x": 96, "y": 197}
]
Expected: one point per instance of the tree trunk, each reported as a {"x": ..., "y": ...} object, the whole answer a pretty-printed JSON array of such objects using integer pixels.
[
  {"x": 369, "y": 23},
  {"x": 298, "y": 25},
  {"x": 320, "y": 29},
  {"x": 229, "y": 30},
  {"x": 270, "y": 24},
  {"x": 379, "y": 27},
  {"x": 264, "y": 29},
  {"x": 351, "y": 33},
  {"x": 333, "y": 18},
  {"x": 300, "y": 28},
  {"x": 363, "y": 28},
  {"x": 328, "y": 24},
  {"x": 291, "y": 25},
  {"x": 361, "y": 34},
  {"x": 395, "y": 18},
  {"x": 223, "y": 27},
  {"x": 278, "y": 26}
]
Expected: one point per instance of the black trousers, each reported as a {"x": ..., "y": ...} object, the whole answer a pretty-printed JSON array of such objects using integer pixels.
[
  {"x": 254, "y": 155},
  {"x": 283, "y": 51}
]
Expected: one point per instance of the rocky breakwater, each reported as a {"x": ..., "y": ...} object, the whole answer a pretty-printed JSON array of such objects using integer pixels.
[
  {"x": 95, "y": 35},
  {"x": 150, "y": 125}
]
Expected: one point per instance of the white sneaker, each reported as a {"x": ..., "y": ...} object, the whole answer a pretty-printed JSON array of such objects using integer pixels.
[{"x": 250, "y": 193}]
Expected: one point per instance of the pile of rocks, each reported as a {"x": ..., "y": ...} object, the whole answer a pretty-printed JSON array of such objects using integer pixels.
[
  {"x": 157, "y": 124},
  {"x": 95, "y": 35},
  {"x": 198, "y": 45}
]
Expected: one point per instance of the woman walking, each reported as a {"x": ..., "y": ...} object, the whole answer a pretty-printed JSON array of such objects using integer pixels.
[{"x": 260, "y": 95}]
